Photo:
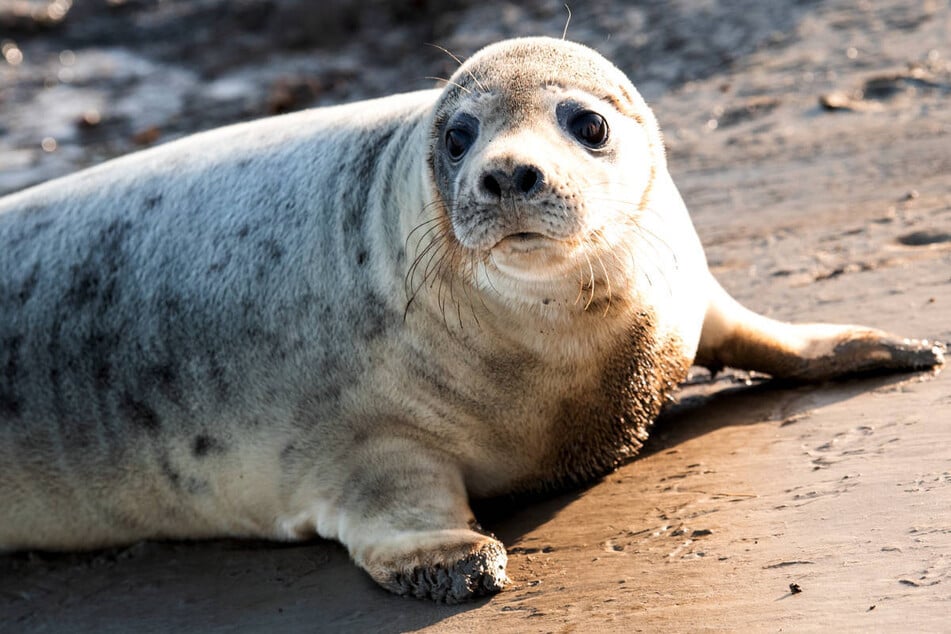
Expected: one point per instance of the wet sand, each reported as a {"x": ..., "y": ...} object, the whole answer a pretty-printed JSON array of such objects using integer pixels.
[{"x": 844, "y": 489}]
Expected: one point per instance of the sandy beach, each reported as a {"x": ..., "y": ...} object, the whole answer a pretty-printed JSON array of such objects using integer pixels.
[{"x": 812, "y": 144}]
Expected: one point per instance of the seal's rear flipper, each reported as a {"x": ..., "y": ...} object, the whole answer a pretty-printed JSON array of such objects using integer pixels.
[{"x": 737, "y": 337}]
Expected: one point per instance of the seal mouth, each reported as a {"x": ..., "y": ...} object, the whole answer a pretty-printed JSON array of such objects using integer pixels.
[
  {"x": 524, "y": 242},
  {"x": 526, "y": 236}
]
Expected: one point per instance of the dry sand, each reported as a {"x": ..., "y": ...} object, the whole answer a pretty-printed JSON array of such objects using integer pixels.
[{"x": 843, "y": 489}]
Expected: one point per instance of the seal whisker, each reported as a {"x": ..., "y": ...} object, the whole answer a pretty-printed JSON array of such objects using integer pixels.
[
  {"x": 459, "y": 61},
  {"x": 632, "y": 222},
  {"x": 488, "y": 278},
  {"x": 431, "y": 236},
  {"x": 590, "y": 280},
  {"x": 438, "y": 238},
  {"x": 446, "y": 261},
  {"x": 663, "y": 274},
  {"x": 670, "y": 250},
  {"x": 440, "y": 296},
  {"x": 411, "y": 273},
  {"x": 452, "y": 294},
  {"x": 449, "y": 82},
  {"x": 470, "y": 275},
  {"x": 460, "y": 272},
  {"x": 432, "y": 264},
  {"x": 433, "y": 224},
  {"x": 604, "y": 269},
  {"x": 649, "y": 239}
]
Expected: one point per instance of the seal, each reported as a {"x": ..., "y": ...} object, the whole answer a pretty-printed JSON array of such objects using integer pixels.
[{"x": 346, "y": 322}]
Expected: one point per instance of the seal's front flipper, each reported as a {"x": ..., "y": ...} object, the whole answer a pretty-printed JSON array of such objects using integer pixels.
[
  {"x": 447, "y": 566},
  {"x": 737, "y": 337},
  {"x": 405, "y": 518}
]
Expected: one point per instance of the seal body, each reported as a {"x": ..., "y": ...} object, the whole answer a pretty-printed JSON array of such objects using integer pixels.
[{"x": 347, "y": 321}]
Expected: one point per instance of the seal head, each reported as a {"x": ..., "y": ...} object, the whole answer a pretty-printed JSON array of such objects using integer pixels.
[{"x": 543, "y": 163}]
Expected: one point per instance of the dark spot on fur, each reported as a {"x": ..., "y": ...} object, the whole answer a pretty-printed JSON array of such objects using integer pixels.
[
  {"x": 243, "y": 231},
  {"x": 95, "y": 278},
  {"x": 361, "y": 257},
  {"x": 360, "y": 437},
  {"x": 373, "y": 317},
  {"x": 179, "y": 481},
  {"x": 151, "y": 202},
  {"x": 57, "y": 388},
  {"x": 172, "y": 305},
  {"x": 39, "y": 227},
  {"x": 84, "y": 288},
  {"x": 288, "y": 452},
  {"x": 28, "y": 285},
  {"x": 9, "y": 401},
  {"x": 174, "y": 477},
  {"x": 9, "y": 404},
  {"x": 204, "y": 445},
  {"x": 272, "y": 248},
  {"x": 103, "y": 375},
  {"x": 216, "y": 372},
  {"x": 140, "y": 414},
  {"x": 194, "y": 486},
  {"x": 354, "y": 199},
  {"x": 444, "y": 390},
  {"x": 165, "y": 377},
  {"x": 91, "y": 364}
]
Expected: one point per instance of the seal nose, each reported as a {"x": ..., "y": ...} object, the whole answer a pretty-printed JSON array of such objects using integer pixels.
[{"x": 524, "y": 181}]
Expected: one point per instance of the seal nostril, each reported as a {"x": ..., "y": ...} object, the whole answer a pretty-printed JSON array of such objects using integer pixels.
[
  {"x": 492, "y": 185},
  {"x": 527, "y": 180}
]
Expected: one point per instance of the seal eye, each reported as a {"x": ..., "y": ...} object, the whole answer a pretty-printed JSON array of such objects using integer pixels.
[
  {"x": 457, "y": 142},
  {"x": 590, "y": 128}
]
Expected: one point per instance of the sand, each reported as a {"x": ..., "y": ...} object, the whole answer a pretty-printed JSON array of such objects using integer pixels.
[{"x": 816, "y": 163}]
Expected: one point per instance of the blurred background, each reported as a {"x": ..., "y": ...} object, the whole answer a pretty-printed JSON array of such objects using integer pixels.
[{"x": 85, "y": 80}]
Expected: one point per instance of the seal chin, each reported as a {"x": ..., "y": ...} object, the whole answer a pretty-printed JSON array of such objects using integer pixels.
[{"x": 530, "y": 255}]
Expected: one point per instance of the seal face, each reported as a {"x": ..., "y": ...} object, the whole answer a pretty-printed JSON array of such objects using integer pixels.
[
  {"x": 347, "y": 322},
  {"x": 539, "y": 168}
]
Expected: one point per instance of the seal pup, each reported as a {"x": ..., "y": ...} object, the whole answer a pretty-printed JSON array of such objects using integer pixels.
[{"x": 346, "y": 322}]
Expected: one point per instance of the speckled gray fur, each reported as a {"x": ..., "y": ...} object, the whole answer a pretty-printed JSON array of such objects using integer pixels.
[{"x": 139, "y": 311}]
